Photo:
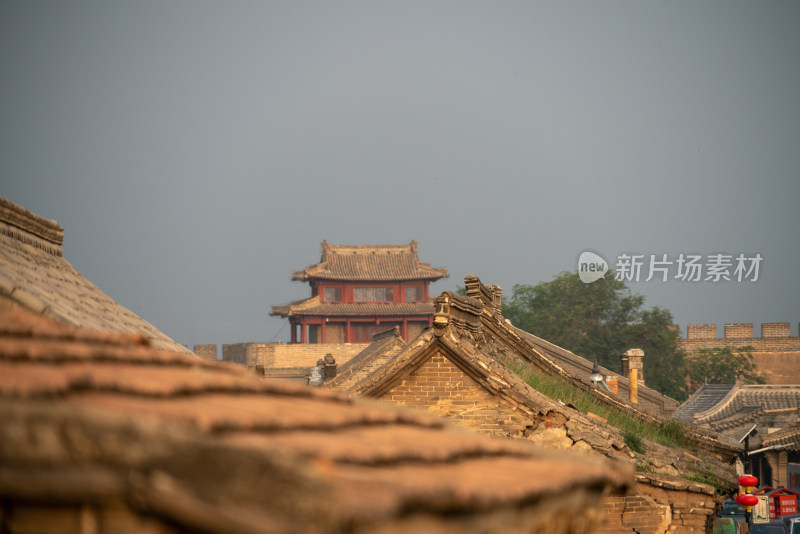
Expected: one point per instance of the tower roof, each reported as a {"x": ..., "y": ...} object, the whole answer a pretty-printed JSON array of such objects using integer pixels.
[{"x": 370, "y": 263}]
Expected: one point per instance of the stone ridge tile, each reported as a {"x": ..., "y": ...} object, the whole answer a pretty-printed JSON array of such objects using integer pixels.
[
  {"x": 226, "y": 412},
  {"x": 382, "y": 444}
]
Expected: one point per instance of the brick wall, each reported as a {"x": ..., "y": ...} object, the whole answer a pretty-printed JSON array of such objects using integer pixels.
[
  {"x": 776, "y": 353},
  {"x": 774, "y": 337},
  {"x": 247, "y": 354},
  {"x": 441, "y": 387},
  {"x": 671, "y": 505},
  {"x": 739, "y": 331},
  {"x": 306, "y": 355},
  {"x": 280, "y": 355},
  {"x": 634, "y": 513},
  {"x": 206, "y": 351}
]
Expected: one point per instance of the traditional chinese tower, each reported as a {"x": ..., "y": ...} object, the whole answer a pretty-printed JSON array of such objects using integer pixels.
[{"x": 359, "y": 290}]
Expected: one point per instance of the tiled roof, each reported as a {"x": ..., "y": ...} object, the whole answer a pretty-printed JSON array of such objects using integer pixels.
[
  {"x": 104, "y": 431},
  {"x": 705, "y": 398},
  {"x": 313, "y": 306},
  {"x": 370, "y": 262},
  {"x": 483, "y": 356},
  {"x": 745, "y": 397},
  {"x": 581, "y": 367},
  {"x": 551, "y": 359},
  {"x": 788, "y": 439},
  {"x": 733, "y": 409},
  {"x": 33, "y": 274},
  {"x": 476, "y": 358},
  {"x": 385, "y": 346}
]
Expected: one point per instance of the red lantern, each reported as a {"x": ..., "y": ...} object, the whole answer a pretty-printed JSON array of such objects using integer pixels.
[
  {"x": 748, "y": 481},
  {"x": 747, "y": 500}
]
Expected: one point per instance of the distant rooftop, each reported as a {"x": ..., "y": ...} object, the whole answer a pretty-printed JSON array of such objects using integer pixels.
[
  {"x": 313, "y": 306},
  {"x": 705, "y": 398},
  {"x": 370, "y": 262}
]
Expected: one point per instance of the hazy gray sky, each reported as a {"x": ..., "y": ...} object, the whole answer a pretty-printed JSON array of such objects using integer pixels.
[{"x": 198, "y": 152}]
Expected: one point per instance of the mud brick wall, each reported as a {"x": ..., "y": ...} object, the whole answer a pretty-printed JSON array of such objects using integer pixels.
[
  {"x": 442, "y": 388},
  {"x": 635, "y": 513},
  {"x": 776, "y": 353},
  {"x": 660, "y": 505}
]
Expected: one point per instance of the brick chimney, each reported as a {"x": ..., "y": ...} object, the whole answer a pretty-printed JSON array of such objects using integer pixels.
[
  {"x": 330, "y": 366},
  {"x": 633, "y": 368}
]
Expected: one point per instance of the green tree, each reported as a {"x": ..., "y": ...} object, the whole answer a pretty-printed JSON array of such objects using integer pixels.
[
  {"x": 722, "y": 366},
  {"x": 600, "y": 321}
]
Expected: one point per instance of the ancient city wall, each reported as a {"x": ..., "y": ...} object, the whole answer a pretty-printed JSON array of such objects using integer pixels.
[{"x": 776, "y": 353}]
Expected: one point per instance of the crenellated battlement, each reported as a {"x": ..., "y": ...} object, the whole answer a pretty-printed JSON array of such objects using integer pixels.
[
  {"x": 737, "y": 331},
  {"x": 776, "y": 352}
]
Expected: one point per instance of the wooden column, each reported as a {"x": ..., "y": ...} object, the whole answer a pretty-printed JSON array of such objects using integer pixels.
[
  {"x": 322, "y": 331},
  {"x": 293, "y": 325},
  {"x": 302, "y": 330},
  {"x": 347, "y": 332}
]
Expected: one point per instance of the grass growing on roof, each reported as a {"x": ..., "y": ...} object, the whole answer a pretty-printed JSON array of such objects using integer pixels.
[{"x": 669, "y": 433}]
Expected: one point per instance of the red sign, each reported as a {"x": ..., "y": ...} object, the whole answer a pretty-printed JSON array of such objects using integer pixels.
[
  {"x": 788, "y": 504},
  {"x": 782, "y": 502}
]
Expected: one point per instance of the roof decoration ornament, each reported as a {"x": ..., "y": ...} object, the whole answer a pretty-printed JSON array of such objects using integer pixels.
[{"x": 460, "y": 312}]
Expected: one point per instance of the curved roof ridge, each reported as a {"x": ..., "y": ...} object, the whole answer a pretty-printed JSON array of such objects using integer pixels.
[
  {"x": 719, "y": 407},
  {"x": 370, "y": 263},
  {"x": 706, "y": 395}
]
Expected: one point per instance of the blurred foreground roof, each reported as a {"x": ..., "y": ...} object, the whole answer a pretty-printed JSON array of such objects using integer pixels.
[{"x": 101, "y": 432}]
